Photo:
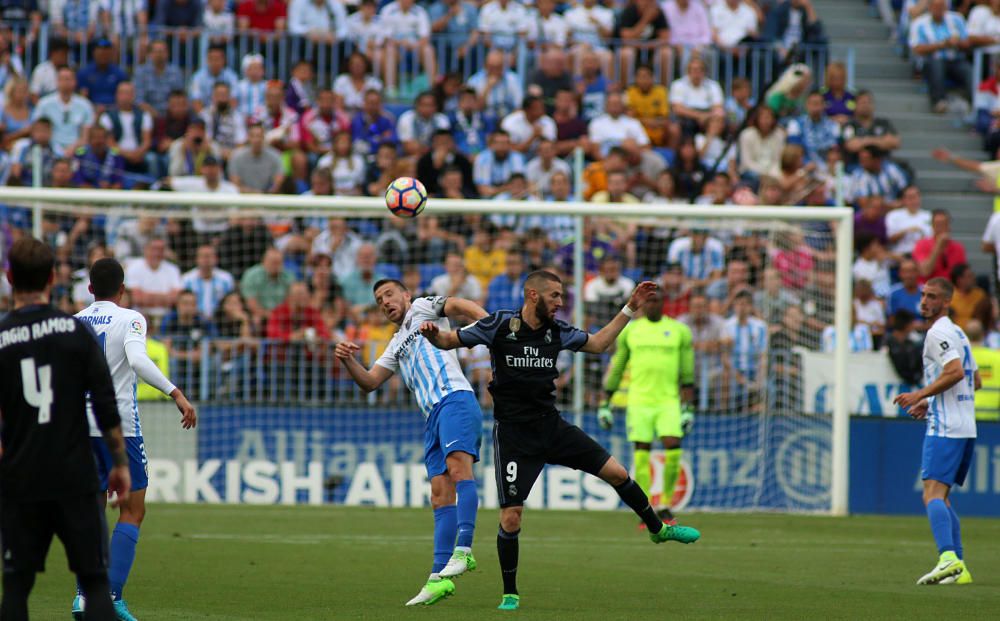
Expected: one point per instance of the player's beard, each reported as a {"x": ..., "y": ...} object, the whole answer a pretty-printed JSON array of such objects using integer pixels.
[{"x": 542, "y": 311}]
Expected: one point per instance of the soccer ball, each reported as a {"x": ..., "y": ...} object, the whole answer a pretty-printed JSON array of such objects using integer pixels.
[{"x": 406, "y": 197}]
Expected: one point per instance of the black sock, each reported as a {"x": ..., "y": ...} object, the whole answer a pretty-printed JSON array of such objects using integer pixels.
[
  {"x": 636, "y": 499},
  {"x": 97, "y": 590},
  {"x": 507, "y": 551},
  {"x": 16, "y": 588}
]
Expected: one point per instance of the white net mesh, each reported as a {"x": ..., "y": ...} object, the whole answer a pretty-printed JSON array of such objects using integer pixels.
[{"x": 271, "y": 292}]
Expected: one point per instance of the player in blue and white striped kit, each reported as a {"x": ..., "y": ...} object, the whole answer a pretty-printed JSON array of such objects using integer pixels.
[
  {"x": 454, "y": 421},
  {"x": 947, "y": 401}
]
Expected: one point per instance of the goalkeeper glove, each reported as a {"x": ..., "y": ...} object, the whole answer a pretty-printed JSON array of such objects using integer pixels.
[
  {"x": 605, "y": 418},
  {"x": 687, "y": 418}
]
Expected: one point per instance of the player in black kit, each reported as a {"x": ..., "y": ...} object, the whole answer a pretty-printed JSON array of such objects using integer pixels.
[
  {"x": 49, "y": 362},
  {"x": 528, "y": 431}
]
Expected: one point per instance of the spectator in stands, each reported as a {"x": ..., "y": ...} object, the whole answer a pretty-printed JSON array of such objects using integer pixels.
[
  {"x": 210, "y": 180},
  {"x": 690, "y": 29},
  {"x": 153, "y": 281},
  {"x": 171, "y": 126},
  {"x": 70, "y": 114},
  {"x": 784, "y": 364},
  {"x": 872, "y": 264},
  {"x": 98, "y": 165},
  {"x": 814, "y": 131},
  {"x": 22, "y": 155},
  {"x": 734, "y": 22},
  {"x": 264, "y": 16},
  {"x": 739, "y": 103},
  {"x": 616, "y": 129},
  {"x": 610, "y": 285},
  {"x": 318, "y": 21},
  {"x": 647, "y": 102},
  {"x": 793, "y": 258},
  {"x": 869, "y": 310},
  {"x": 322, "y": 123},
  {"x": 791, "y": 24},
  {"x": 372, "y": 126},
  {"x": 595, "y": 175},
  {"x": 867, "y": 130},
  {"x": 295, "y": 320},
  {"x": 300, "y": 91},
  {"x": 694, "y": 98},
  {"x": 983, "y": 24},
  {"x": 838, "y": 102},
  {"x": 721, "y": 292},
  {"x": 527, "y": 126},
  {"x": 347, "y": 168},
  {"x": 553, "y": 74},
  {"x": 664, "y": 189},
  {"x": 592, "y": 86},
  {"x": 905, "y": 295},
  {"x": 709, "y": 338},
  {"x": 645, "y": 35},
  {"x": 417, "y": 125},
  {"x": 484, "y": 258},
  {"x": 539, "y": 170},
  {"x": 590, "y": 26},
  {"x": 256, "y": 167},
  {"x": 355, "y": 82},
  {"x": 617, "y": 190},
  {"x": 74, "y": 20},
  {"x": 712, "y": 145},
  {"x": 688, "y": 170},
  {"x": 156, "y": 79},
  {"x": 676, "y": 293},
  {"x": 212, "y": 72},
  {"x": 571, "y": 129},
  {"x": 182, "y": 330},
  {"x": 218, "y": 21},
  {"x": 868, "y": 220},
  {"x": 749, "y": 336},
  {"x": 43, "y": 76},
  {"x": 506, "y": 290},
  {"x": 187, "y": 154},
  {"x": 182, "y": 15},
  {"x": 499, "y": 89},
  {"x": 456, "y": 281},
  {"x": 280, "y": 122},
  {"x": 339, "y": 243},
  {"x": 407, "y": 30},
  {"x": 383, "y": 169},
  {"x": 969, "y": 300},
  {"x": 772, "y": 298},
  {"x": 454, "y": 23},
  {"x": 940, "y": 39},
  {"x": 702, "y": 258},
  {"x": 131, "y": 129},
  {"x": 224, "y": 123},
  {"x": 761, "y": 144},
  {"x": 15, "y": 112},
  {"x": 787, "y": 96},
  {"x": 469, "y": 125},
  {"x": 877, "y": 178},
  {"x": 494, "y": 166},
  {"x": 325, "y": 293},
  {"x": 441, "y": 155},
  {"x": 357, "y": 286},
  {"x": 250, "y": 90},
  {"x": 265, "y": 285},
  {"x": 502, "y": 23},
  {"x": 908, "y": 224}
]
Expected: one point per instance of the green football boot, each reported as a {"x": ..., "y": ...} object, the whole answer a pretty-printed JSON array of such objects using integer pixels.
[
  {"x": 433, "y": 592},
  {"x": 672, "y": 532},
  {"x": 510, "y": 602}
]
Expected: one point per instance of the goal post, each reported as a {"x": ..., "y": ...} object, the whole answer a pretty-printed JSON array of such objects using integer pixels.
[{"x": 182, "y": 206}]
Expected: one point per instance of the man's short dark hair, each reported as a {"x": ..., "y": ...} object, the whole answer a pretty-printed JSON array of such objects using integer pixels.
[
  {"x": 743, "y": 294},
  {"x": 31, "y": 264},
  {"x": 43, "y": 120},
  {"x": 178, "y": 93},
  {"x": 529, "y": 100},
  {"x": 947, "y": 289},
  {"x": 873, "y": 151},
  {"x": 538, "y": 277},
  {"x": 941, "y": 212},
  {"x": 106, "y": 277},
  {"x": 388, "y": 281},
  {"x": 902, "y": 319},
  {"x": 216, "y": 47},
  {"x": 958, "y": 271},
  {"x": 58, "y": 44}
]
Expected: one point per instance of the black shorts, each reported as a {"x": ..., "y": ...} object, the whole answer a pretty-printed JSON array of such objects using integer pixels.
[
  {"x": 27, "y": 527},
  {"x": 521, "y": 450}
]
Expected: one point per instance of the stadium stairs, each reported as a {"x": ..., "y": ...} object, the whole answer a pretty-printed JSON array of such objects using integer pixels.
[{"x": 903, "y": 100}]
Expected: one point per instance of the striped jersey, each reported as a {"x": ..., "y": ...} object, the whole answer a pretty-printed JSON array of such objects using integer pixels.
[
  {"x": 951, "y": 414},
  {"x": 697, "y": 264},
  {"x": 209, "y": 292},
  {"x": 749, "y": 344},
  {"x": 116, "y": 326},
  {"x": 860, "y": 340},
  {"x": 430, "y": 373}
]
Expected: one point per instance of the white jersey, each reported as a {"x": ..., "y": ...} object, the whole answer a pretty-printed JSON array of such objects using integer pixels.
[
  {"x": 116, "y": 326},
  {"x": 430, "y": 373},
  {"x": 952, "y": 414}
]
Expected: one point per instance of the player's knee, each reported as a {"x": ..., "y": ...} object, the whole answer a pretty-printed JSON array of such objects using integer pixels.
[
  {"x": 614, "y": 473},
  {"x": 671, "y": 442},
  {"x": 510, "y": 519},
  {"x": 459, "y": 466},
  {"x": 133, "y": 514}
]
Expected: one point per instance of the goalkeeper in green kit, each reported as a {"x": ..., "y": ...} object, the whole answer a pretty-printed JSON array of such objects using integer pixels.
[{"x": 659, "y": 356}]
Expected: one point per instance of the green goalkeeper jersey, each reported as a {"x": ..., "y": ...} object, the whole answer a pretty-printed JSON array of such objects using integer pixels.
[{"x": 660, "y": 359}]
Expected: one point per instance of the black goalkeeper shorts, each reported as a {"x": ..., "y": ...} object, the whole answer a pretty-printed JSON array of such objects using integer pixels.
[
  {"x": 521, "y": 450},
  {"x": 27, "y": 528}
]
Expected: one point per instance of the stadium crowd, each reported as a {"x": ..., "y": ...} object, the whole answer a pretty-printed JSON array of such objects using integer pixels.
[{"x": 630, "y": 84}]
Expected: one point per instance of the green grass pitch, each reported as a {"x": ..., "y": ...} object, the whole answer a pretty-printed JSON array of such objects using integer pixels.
[{"x": 320, "y": 563}]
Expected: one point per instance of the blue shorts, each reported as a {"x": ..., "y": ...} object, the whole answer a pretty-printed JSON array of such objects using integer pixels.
[
  {"x": 138, "y": 465},
  {"x": 455, "y": 424},
  {"x": 946, "y": 459}
]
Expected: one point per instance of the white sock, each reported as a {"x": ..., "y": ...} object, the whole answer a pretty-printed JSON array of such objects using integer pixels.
[
  {"x": 465, "y": 549},
  {"x": 434, "y": 576}
]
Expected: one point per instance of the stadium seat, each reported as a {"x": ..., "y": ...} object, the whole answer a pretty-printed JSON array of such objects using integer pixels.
[
  {"x": 428, "y": 271},
  {"x": 389, "y": 270},
  {"x": 635, "y": 273}
]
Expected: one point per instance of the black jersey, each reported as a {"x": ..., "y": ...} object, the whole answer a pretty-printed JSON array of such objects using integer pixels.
[
  {"x": 49, "y": 362},
  {"x": 524, "y": 362}
]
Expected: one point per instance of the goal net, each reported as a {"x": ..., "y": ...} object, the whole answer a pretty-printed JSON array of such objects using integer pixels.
[{"x": 247, "y": 295}]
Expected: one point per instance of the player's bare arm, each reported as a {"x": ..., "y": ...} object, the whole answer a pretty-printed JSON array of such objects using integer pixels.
[
  {"x": 462, "y": 309},
  {"x": 950, "y": 375},
  {"x": 119, "y": 478},
  {"x": 599, "y": 343},
  {"x": 189, "y": 416},
  {"x": 367, "y": 380},
  {"x": 148, "y": 372}
]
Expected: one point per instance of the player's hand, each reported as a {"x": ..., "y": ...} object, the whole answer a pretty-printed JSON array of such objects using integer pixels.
[
  {"x": 430, "y": 330},
  {"x": 919, "y": 411},
  {"x": 605, "y": 417},
  {"x": 119, "y": 483},
  {"x": 642, "y": 292},
  {"x": 345, "y": 350},
  {"x": 189, "y": 417},
  {"x": 907, "y": 400},
  {"x": 687, "y": 418},
  {"x": 942, "y": 155}
]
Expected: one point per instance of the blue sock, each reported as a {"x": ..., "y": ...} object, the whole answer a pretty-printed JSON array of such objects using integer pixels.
[
  {"x": 123, "y": 542},
  {"x": 445, "y": 529},
  {"x": 956, "y": 533},
  {"x": 940, "y": 519},
  {"x": 468, "y": 505}
]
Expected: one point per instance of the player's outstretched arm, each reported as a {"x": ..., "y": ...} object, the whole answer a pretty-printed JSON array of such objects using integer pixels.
[
  {"x": 119, "y": 478},
  {"x": 439, "y": 339},
  {"x": 599, "y": 343},
  {"x": 951, "y": 374},
  {"x": 146, "y": 369},
  {"x": 460, "y": 308},
  {"x": 367, "y": 380}
]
